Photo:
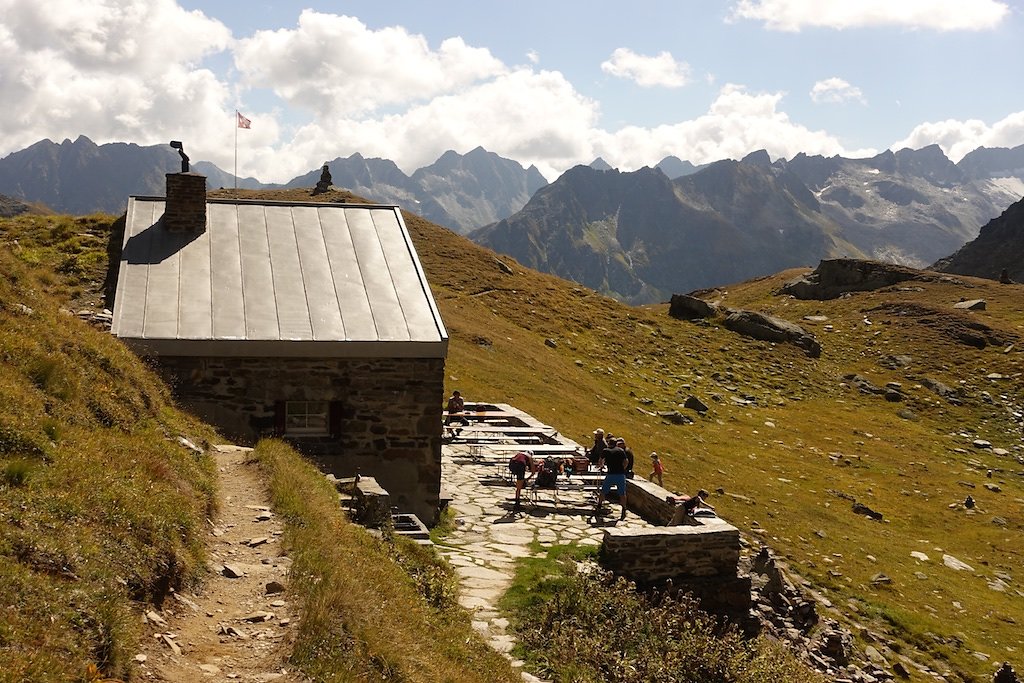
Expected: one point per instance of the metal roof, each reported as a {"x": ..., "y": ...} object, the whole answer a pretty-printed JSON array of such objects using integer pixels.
[{"x": 276, "y": 279}]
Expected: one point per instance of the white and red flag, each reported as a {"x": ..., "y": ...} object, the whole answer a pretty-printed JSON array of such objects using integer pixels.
[{"x": 242, "y": 121}]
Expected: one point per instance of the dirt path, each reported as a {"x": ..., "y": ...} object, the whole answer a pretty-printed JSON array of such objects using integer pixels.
[{"x": 239, "y": 626}]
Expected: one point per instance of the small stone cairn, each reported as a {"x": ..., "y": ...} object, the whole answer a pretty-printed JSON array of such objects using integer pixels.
[{"x": 324, "y": 184}]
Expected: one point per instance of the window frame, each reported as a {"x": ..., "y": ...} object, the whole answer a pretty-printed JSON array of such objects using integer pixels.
[{"x": 302, "y": 409}]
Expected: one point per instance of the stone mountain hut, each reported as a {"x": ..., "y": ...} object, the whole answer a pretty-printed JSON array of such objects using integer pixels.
[{"x": 308, "y": 321}]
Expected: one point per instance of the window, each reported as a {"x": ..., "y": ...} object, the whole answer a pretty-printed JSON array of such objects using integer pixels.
[{"x": 306, "y": 418}]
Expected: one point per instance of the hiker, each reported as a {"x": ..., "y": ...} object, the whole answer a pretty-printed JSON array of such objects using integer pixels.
[
  {"x": 597, "y": 450},
  {"x": 456, "y": 405},
  {"x": 615, "y": 460},
  {"x": 519, "y": 465},
  {"x": 657, "y": 469}
]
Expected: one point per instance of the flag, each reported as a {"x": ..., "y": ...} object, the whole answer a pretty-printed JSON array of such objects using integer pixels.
[{"x": 242, "y": 121}]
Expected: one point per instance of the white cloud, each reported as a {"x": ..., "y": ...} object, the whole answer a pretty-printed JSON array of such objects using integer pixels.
[
  {"x": 335, "y": 66},
  {"x": 836, "y": 91},
  {"x": 532, "y": 117},
  {"x": 661, "y": 70},
  {"x": 737, "y": 123},
  {"x": 957, "y": 138},
  {"x": 114, "y": 70},
  {"x": 533, "y": 56},
  {"x": 940, "y": 15}
]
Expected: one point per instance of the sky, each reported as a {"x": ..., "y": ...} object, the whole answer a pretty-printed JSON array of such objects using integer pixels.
[{"x": 554, "y": 84}]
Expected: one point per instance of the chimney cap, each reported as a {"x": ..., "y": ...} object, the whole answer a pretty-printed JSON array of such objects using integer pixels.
[{"x": 176, "y": 144}]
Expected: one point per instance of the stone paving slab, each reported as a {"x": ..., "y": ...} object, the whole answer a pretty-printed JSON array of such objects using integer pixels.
[{"x": 489, "y": 536}]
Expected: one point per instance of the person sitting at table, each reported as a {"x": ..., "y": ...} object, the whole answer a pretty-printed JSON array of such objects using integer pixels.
[
  {"x": 519, "y": 465},
  {"x": 456, "y": 406}
]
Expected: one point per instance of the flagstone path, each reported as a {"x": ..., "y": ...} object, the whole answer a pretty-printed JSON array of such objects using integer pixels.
[{"x": 490, "y": 537}]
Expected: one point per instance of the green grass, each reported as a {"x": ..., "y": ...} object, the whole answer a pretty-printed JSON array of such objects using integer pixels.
[{"x": 372, "y": 609}]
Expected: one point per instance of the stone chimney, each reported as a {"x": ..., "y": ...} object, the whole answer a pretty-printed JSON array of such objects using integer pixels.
[{"x": 185, "y": 209}]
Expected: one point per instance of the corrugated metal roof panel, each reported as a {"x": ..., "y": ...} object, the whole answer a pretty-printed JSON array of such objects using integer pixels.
[{"x": 274, "y": 278}]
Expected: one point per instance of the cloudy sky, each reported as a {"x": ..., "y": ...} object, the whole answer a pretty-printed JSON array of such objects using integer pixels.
[{"x": 552, "y": 83}]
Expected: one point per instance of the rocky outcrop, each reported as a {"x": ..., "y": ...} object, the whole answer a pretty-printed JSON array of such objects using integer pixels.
[
  {"x": 835, "y": 277},
  {"x": 770, "y": 328}
]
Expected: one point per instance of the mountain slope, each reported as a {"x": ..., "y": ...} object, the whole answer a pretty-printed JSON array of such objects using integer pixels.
[
  {"x": 999, "y": 246},
  {"x": 640, "y": 236}
]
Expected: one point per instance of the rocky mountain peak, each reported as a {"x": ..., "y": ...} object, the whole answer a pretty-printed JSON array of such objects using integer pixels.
[{"x": 758, "y": 158}]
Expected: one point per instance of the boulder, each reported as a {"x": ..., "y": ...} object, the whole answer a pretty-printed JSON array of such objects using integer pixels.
[
  {"x": 971, "y": 305},
  {"x": 687, "y": 307},
  {"x": 770, "y": 328}
]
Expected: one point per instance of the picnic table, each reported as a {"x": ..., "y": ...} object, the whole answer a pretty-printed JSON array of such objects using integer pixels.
[
  {"x": 539, "y": 449},
  {"x": 482, "y": 414}
]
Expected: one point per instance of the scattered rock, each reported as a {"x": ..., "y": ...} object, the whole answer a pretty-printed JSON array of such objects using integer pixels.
[
  {"x": 981, "y": 443},
  {"x": 971, "y": 305},
  {"x": 881, "y": 580},
  {"x": 900, "y": 670},
  {"x": 862, "y": 509},
  {"x": 874, "y": 656},
  {"x": 228, "y": 630},
  {"x": 274, "y": 587},
  {"x": 956, "y": 564},
  {"x": 694, "y": 403},
  {"x": 211, "y": 669},
  {"x": 232, "y": 571},
  {"x": 254, "y": 542},
  {"x": 550, "y": 343},
  {"x": 918, "y": 555},
  {"x": 155, "y": 618},
  {"x": 504, "y": 267},
  {"x": 675, "y": 417},
  {"x": 258, "y": 617},
  {"x": 167, "y": 640}
]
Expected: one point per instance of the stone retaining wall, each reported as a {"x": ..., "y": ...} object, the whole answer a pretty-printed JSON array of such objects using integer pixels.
[
  {"x": 385, "y": 413},
  {"x": 701, "y": 558}
]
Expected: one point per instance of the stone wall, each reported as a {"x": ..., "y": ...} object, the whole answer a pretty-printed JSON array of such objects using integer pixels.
[
  {"x": 386, "y": 413},
  {"x": 702, "y": 559}
]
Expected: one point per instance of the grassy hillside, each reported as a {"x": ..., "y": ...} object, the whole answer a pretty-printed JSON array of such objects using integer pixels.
[
  {"x": 100, "y": 505},
  {"x": 789, "y": 440}
]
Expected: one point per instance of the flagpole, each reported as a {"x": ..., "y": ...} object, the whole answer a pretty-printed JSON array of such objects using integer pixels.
[{"x": 236, "y": 152}]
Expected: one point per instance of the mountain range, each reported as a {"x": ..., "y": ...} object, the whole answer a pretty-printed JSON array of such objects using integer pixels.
[
  {"x": 462, "y": 192},
  {"x": 641, "y": 236},
  {"x": 638, "y": 236}
]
